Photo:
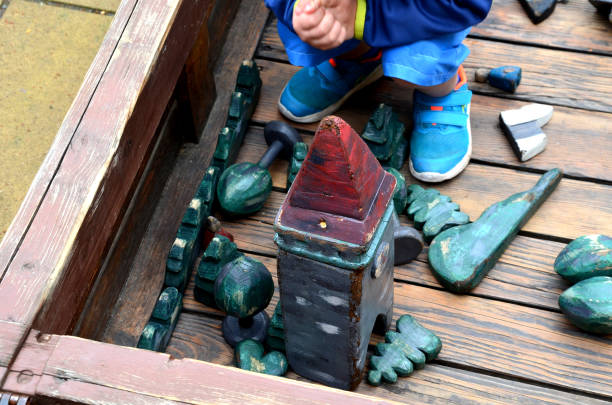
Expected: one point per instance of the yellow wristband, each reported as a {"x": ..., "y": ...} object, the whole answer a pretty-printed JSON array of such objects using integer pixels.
[{"x": 360, "y": 17}]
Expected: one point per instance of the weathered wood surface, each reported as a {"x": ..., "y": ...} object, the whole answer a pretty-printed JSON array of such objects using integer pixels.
[
  {"x": 573, "y": 134},
  {"x": 75, "y": 369},
  {"x": 135, "y": 302},
  {"x": 200, "y": 337},
  {"x": 74, "y": 226},
  {"x": 580, "y": 82},
  {"x": 40, "y": 185},
  {"x": 573, "y": 25}
]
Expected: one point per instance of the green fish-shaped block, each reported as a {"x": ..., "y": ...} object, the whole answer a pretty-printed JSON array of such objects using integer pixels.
[
  {"x": 586, "y": 257},
  {"x": 588, "y": 304}
]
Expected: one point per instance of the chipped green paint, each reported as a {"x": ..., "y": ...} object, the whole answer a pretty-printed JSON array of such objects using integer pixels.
[
  {"x": 300, "y": 150},
  {"x": 432, "y": 212},
  {"x": 586, "y": 257},
  {"x": 276, "y": 330},
  {"x": 384, "y": 135},
  {"x": 445, "y": 220},
  {"x": 588, "y": 304},
  {"x": 158, "y": 330},
  {"x": 400, "y": 195},
  {"x": 404, "y": 351},
  {"x": 425, "y": 198},
  {"x": 242, "y": 104},
  {"x": 461, "y": 256},
  {"x": 250, "y": 356},
  {"x": 180, "y": 258},
  {"x": 244, "y": 188},
  {"x": 219, "y": 252},
  {"x": 244, "y": 287}
]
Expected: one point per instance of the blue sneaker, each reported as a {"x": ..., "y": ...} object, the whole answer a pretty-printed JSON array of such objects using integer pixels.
[
  {"x": 318, "y": 91},
  {"x": 441, "y": 143}
]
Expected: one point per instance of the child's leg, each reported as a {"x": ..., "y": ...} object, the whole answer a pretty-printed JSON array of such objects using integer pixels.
[{"x": 440, "y": 144}]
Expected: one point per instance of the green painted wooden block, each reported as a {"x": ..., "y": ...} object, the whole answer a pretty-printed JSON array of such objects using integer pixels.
[
  {"x": 588, "y": 304},
  {"x": 405, "y": 350},
  {"x": 300, "y": 150},
  {"x": 201, "y": 204},
  {"x": 445, "y": 220},
  {"x": 384, "y": 135},
  {"x": 219, "y": 252},
  {"x": 158, "y": 330},
  {"x": 250, "y": 356},
  {"x": 437, "y": 207},
  {"x": 181, "y": 257},
  {"x": 242, "y": 104},
  {"x": 244, "y": 188},
  {"x": 414, "y": 192},
  {"x": 244, "y": 287},
  {"x": 400, "y": 195},
  {"x": 427, "y": 200},
  {"x": 276, "y": 331},
  {"x": 587, "y": 256},
  {"x": 461, "y": 256}
]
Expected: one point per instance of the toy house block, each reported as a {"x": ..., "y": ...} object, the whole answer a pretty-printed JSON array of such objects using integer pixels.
[{"x": 335, "y": 264}]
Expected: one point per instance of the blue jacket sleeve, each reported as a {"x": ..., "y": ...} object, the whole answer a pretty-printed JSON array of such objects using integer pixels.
[
  {"x": 283, "y": 9},
  {"x": 400, "y": 22}
]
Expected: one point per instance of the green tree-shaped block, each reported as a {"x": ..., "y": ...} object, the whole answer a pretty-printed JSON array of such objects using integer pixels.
[
  {"x": 384, "y": 135},
  {"x": 276, "y": 331},
  {"x": 250, "y": 356},
  {"x": 405, "y": 350},
  {"x": 300, "y": 150}
]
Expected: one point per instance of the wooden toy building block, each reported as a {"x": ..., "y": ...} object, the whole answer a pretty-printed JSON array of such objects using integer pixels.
[
  {"x": 276, "y": 331},
  {"x": 243, "y": 102},
  {"x": 461, "y": 256},
  {"x": 433, "y": 212},
  {"x": 243, "y": 290},
  {"x": 186, "y": 246},
  {"x": 384, "y": 135},
  {"x": 335, "y": 263},
  {"x": 505, "y": 78},
  {"x": 244, "y": 187},
  {"x": 300, "y": 150},
  {"x": 585, "y": 257},
  {"x": 538, "y": 10},
  {"x": 588, "y": 304},
  {"x": 604, "y": 7},
  {"x": 219, "y": 252},
  {"x": 400, "y": 196},
  {"x": 403, "y": 351},
  {"x": 158, "y": 330},
  {"x": 250, "y": 356}
]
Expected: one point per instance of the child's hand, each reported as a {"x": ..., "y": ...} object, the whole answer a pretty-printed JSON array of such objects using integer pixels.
[{"x": 325, "y": 24}]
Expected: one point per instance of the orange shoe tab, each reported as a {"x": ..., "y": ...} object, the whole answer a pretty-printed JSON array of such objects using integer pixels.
[
  {"x": 436, "y": 108},
  {"x": 462, "y": 77}
]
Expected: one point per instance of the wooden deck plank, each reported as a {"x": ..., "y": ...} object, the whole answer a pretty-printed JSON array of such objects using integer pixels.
[
  {"x": 200, "y": 337},
  {"x": 573, "y": 134},
  {"x": 574, "y": 25},
  {"x": 549, "y": 76},
  {"x": 139, "y": 294},
  {"x": 575, "y": 208},
  {"x": 494, "y": 336}
]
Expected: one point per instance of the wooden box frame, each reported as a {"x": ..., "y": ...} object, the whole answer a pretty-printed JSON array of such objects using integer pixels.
[{"x": 154, "y": 65}]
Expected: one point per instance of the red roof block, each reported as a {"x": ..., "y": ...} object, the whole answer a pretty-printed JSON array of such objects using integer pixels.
[{"x": 340, "y": 183}]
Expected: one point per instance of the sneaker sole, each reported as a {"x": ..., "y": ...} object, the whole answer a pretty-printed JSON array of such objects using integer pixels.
[
  {"x": 433, "y": 177},
  {"x": 307, "y": 119}
]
